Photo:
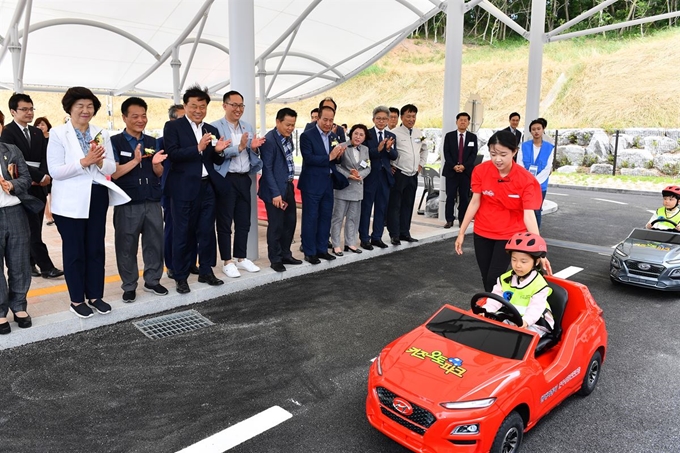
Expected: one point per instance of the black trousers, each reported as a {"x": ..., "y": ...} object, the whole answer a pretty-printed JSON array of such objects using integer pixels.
[
  {"x": 234, "y": 206},
  {"x": 39, "y": 253},
  {"x": 83, "y": 248},
  {"x": 457, "y": 186},
  {"x": 281, "y": 226},
  {"x": 194, "y": 221},
  {"x": 400, "y": 206},
  {"x": 492, "y": 259}
]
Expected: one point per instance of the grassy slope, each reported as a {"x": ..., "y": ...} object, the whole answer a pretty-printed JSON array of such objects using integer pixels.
[{"x": 610, "y": 83}]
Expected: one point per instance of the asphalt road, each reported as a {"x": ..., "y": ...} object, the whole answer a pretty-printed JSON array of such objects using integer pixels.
[{"x": 305, "y": 345}]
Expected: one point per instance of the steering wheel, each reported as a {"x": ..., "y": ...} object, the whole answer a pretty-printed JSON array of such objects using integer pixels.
[
  {"x": 507, "y": 311},
  {"x": 675, "y": 225}
]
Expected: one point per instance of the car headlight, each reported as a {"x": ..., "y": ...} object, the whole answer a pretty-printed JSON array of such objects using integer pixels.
[
  {"x": 675, "y": 261},
  {"x": 674, "y": 273},
  {"x": 619, "y": 252},
  {"x": 378, "y": 365},
  {"x": 476, "y": 404},
  {"x": 472, "y": 428}
]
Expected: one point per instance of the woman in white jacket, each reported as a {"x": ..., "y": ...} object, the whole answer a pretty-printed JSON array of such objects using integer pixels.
[{"x": 79, "y": 158}]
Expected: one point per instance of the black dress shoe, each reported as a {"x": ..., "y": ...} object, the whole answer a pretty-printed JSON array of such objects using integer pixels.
[
  {"x": 448, "y": 224},
  {"x": 5, "y": 328},
  {"x": 291, "y": 260},
  {"x": 182, "y": 286},
  {"x": 279, "y": 267},
  {"x": 349, "y": 249},
  {"x": 171, "y": 274},
  {"x": 312, "y": 259},
  {"x": 193, "y": 269},
  {"x": 53, "y": 273},
  {"x": 24, "y": 322},
  {"x": 338, "y": 253},
  {"x": 408, "y": 238},
  {"x": 34, "y": 271},
  {"x": 366, "y": 245},
  {"x": 330, "y": 245},
  {"x": 210, "y": 279},
  {"x": 327, "y": 256},
  {"x": 396, "y": 241},
  {"x": 379, "y": 243}
]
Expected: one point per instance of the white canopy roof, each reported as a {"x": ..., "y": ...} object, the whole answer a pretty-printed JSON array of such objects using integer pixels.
[{"x": 126, "y": 46}]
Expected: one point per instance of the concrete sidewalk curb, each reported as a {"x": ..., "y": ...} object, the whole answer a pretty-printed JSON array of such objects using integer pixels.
[
  {"x": 66, "y": 323},
  {"x": 604, "y": 189}
]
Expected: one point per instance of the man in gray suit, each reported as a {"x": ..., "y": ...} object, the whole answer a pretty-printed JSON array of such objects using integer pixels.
[{"x": 15, "y": 182}]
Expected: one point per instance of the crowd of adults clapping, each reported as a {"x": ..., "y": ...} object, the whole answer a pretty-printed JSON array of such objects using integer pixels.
[{"x": 182, "y": 193}]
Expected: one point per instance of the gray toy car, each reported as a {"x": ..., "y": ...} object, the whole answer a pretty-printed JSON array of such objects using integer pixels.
[{"x": 648, "y": 258}]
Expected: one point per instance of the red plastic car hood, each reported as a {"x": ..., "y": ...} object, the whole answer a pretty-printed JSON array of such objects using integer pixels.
[{"x": 440, "y": 370}]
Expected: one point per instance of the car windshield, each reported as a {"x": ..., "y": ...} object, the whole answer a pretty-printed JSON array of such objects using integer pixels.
[
  {"x": 479, "y": 334},
  {"x": 667, "y": 236}
]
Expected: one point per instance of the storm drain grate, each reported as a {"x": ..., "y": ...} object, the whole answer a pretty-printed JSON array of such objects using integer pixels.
[{"x": 172, "y": 324}]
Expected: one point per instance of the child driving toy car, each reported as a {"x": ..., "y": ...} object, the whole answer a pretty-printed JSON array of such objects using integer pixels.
[
  {"x": 524, "y": 285},
  {"x": 669, "y": 211}
]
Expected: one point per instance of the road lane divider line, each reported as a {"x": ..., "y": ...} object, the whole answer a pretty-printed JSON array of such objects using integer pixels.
[
  {"x": 240, "y": 432},
  {"x": 568, "y": 272},
  {"x": 609, "y": 201},
  {"x": 559, "y": 194}
]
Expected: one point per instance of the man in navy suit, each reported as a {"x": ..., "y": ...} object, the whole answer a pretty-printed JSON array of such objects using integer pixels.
[
  {"x": 381, "y": 149},
  {"x": 193, "y": 149},
  {"x": 460, "y": 152},
  {"x": 277, "y": 190},
  {"x": 31, "y": 142},
  {"x": 320, "y": 148},
  {"x": 514, "y": 124}
]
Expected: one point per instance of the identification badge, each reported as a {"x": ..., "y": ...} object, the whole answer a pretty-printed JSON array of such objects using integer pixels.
[
  {"x": 363, "y": 164},
  {"x": 471, "y": 144},
  {"x": 533, "y": 169},
  {"x": 125, "y": 154}
]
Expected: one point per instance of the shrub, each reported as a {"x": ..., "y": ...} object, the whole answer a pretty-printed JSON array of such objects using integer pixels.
[
  {"x": 626, "y": 164},
  {"x": 671, "y": 169},
  {"x": 589, "y": 160},
  {"x": 637, "y": 143},
  {"x": 587, "y": 137},
  {"x": 562, "y": 161},
  {"x": 573, "y": 139},
  {"x": 610, "y": 159},
  {"x": 649, "y": 165}
]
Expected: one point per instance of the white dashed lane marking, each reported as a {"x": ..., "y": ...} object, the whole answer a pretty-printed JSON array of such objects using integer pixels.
[
  {"x": 568, "y": 272},
  {"x": 559, "y": 194},
  {"x": 240, "y": 432},
  {"x": 609, "y": 201}
]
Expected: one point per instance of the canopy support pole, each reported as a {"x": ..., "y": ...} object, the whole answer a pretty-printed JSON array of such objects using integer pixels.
[
  {"x": 175, "y": 64},
  {"x": 453, "y": 68},
  {"x": 536, "y": 39},
  {"x": 242, "y": 69}
]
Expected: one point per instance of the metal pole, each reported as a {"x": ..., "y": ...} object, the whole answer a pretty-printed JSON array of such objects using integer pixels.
[
  {"x": 15, "y": 51},
  {"x": 242, "y": 69},
  {"x": 616, "y": 150},
  {"x": 453, "y": 68},
  {"x": 536, "y": 37},
  {"x": 557, "y": 135},
  {"x": 175, "y": 64},
  {"x": 261, "y": 73}
]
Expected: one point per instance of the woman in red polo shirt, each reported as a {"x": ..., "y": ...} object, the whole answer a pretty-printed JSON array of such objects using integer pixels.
[{"x": 504, "y": 197}]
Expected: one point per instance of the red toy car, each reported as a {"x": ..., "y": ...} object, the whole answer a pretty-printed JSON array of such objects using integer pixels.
[{"x": 465, "y": 383}]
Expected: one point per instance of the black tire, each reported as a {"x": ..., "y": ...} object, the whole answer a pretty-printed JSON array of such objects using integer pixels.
[
  {"x": 510, "y": 435},
  {"x": 592, "y": 374}
]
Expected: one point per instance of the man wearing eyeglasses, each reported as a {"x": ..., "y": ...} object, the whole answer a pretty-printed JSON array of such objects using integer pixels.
[
  {"x": 31, "y": 141},
  {"x": 232, "y": 192}
]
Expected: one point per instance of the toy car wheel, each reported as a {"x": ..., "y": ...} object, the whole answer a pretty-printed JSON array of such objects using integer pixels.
[
  {"x": 592, "y": 374},
  {"x": 510, "y": 434}
]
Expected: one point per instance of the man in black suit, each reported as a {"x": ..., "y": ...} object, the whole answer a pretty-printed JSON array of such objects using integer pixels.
[
  {"x": 514, "y": 123},
  {"x": 31, "y": 141},
  {"x": 337, "y": 130},
  {"x": 320, "y": 148},
  {"x": 193, "y": 149},
  {"x": 277, "y": 190},
  {"x": 382, "y": 151},
  {"x": 460, "y": 152}
]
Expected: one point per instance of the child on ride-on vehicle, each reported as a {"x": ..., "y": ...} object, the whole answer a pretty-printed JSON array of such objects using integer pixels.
[
  {"x": 669, "y": 211},
  {"x": 524, "y": 285}
]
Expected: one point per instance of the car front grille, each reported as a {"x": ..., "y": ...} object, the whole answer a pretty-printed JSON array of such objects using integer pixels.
[
  {"x": 420, "y": 416},
  {"x": 644, "y": 269}
]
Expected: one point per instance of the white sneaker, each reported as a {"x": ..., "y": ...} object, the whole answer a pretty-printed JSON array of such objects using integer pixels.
[
  {"x": 230, "y": 270},
  {"x": 247, "y": 265}
]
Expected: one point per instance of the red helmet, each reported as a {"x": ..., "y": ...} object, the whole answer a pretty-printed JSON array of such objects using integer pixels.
[
  {"x": 530, "y": 243},
  {"x": 671, "y": 191}
]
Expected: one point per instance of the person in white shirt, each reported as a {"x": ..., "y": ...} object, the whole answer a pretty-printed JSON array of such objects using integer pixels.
[{"x": 412, "y": 156}]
